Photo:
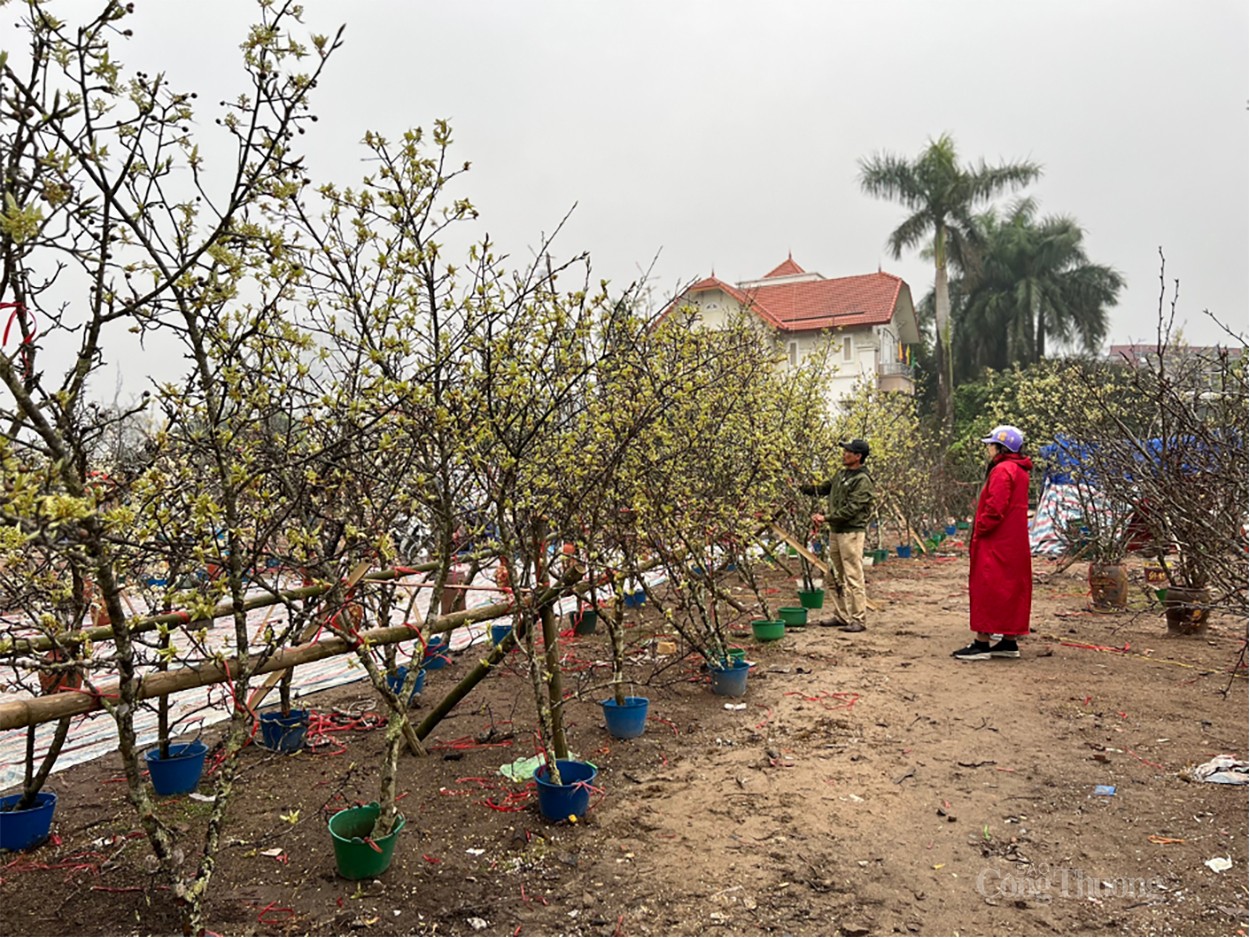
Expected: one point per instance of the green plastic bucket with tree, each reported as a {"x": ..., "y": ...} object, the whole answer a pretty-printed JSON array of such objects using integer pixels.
[
  {"x": 812, "y": 599},
  {"x": 356, "y": 853},
  {"x": 768, "y": 630},
  {"x": 793, "y": 615}
]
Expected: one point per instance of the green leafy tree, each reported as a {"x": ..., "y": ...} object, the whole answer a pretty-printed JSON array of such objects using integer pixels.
[
  {"x": 1032, "y": 281},
  {"x": 941, "y": 196}
]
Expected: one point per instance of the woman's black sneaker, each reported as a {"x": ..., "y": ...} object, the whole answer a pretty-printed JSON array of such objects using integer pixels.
[
  {"x": 977, "y": 651},
  {"x": 1006, "y": 648}
]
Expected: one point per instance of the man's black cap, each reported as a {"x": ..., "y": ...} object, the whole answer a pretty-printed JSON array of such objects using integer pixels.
[{"x": 856, "y": 446}]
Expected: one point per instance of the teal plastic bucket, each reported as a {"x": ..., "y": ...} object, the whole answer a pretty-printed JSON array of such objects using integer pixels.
[
  {"x": 21, "y": 830},
  {"x": 356, "y": 856},
  {"x": 180, "y": 772},
  {"x": 280, "y": 733},
  {"x": 730, "y": 680},
  {"x": 569, "y": 799},
  {"x": 628, "y": 720}
]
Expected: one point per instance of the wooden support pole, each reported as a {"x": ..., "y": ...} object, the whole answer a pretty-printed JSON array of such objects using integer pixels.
[
  {"x": 222, "y": 610},
  {"x": 44, "y": 709},
  {"x": 258, "y": 696},
  {"x": 812, "y": 558},
  {"x": 470, "y": 681}
]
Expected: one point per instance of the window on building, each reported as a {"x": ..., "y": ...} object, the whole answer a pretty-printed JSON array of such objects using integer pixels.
[
  {"x": 794, "y": 354},
  {"x": 846, "y": 348}
]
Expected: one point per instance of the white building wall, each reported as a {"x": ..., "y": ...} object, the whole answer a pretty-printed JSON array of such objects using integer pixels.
[{"x": 852, "y": 364}]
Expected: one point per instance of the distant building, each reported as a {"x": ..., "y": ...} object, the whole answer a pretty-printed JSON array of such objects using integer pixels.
[
  {"x": 1201, "y": 366},
  {"x": 870, "y": 318},
  {"x": 1145, "y": 353}
]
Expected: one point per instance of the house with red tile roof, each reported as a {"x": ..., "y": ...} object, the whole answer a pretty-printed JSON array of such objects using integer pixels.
[{"x": 869, "y": 318}]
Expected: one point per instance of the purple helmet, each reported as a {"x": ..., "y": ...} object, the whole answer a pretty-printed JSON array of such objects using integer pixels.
[{"x": 1008, "y": 437}]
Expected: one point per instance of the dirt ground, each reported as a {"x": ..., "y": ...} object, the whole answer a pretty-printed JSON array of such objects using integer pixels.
[{"x": 871, "y": 785}]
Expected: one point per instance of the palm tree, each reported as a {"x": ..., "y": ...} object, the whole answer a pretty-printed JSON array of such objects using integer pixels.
[
  {"x": 941, "y": 196},
  {"x": 1032, "y": 281}
]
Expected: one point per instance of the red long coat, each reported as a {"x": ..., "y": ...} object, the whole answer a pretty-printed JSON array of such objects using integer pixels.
[{"x": 1000, "y": 577}]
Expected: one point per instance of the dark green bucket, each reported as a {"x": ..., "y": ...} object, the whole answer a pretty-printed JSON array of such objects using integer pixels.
[
  {"x": 768, "y": 630},
  {"x": 358, "y": 858},
  {"x": 812, "y": 599},
  {"x": 793, "y": 615}
]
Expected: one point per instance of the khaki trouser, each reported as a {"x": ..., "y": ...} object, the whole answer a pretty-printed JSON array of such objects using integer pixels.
[{"x": 846, "y": 558}]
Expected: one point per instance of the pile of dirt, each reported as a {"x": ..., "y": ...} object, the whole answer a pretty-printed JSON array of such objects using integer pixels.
[{"x": 866, "y": 783}]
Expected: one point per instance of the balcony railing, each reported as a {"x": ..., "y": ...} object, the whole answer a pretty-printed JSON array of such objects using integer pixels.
[{"x": 889, "y": 369}]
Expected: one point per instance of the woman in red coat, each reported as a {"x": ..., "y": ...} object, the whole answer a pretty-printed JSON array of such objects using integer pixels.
[{"x": 1000, "y": 576}]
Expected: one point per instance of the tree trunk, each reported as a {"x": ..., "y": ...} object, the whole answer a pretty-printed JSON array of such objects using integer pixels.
[
  {"x": 555, "y": 681},
  {"x": 942, "y": 315}
]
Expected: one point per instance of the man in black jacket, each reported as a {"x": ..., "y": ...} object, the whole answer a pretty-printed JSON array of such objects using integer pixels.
[{"x": 852, "y": 495}]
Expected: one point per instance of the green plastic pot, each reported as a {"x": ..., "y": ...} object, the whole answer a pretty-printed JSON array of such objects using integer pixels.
[
  {"x": 793, "y": 615},
  {"x": 880, "y": 556},
  {"x": 357, "y": 857},
  {"x": 812, "y": 599},
  {"x": 768, "y": 630},
  {"x": 734, "y": 653}
]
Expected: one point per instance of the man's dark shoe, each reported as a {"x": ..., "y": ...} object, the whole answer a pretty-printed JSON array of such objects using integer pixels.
[
  {"x": 833, "y": 623},
  {"x": 1006, "y": 648},
  {"x": 977, "y": 651},
  {"x": 852, "y": 627}
]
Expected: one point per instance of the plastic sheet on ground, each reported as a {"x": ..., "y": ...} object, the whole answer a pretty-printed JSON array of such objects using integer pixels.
[{"x": 1222, "y": 770}]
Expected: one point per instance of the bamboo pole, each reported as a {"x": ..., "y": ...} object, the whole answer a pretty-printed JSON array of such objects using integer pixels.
[
  {"x": 470, "y": 681},
  {"x": 258, "y": 696},
  {"x": 20, "y": 713},
  {"x": 146, "y": 624}
]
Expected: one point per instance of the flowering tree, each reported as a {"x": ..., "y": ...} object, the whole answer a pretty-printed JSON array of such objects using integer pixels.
[{"x": 111, "y": 223}]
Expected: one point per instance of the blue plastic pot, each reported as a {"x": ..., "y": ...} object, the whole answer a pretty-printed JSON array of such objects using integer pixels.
[
  {"x": 572, "y": 797},
  {"x": 280, "y": 733},
  {"x": 180, "y": 772},
  {"x": 730, "y": 680},
  {"x": 950, "y": 530},
  {"x": 21, "y": 830},
  {"x": 499, "y": 632},
  {"x": 904, "y": 550},
  {"x": 395, "y": 681},
  {"x": 628, "y": 720},
  {"x": 436, "y": 653}
]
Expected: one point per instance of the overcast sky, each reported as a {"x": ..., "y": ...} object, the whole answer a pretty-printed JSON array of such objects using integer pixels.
[{"x": 723, "y": 135}]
